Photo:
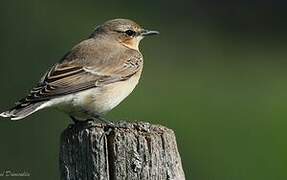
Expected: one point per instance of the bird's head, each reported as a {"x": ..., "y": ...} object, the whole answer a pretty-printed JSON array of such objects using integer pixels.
[{"x": 125, "y": 31}]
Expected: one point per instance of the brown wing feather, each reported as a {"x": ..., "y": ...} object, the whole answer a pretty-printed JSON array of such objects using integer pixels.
[
  {"x": 61, "y": 82},
  {"x": 63, "y": 79}
]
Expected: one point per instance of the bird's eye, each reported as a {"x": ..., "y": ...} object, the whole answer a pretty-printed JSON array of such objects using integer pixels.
[{"x": 130, "y": 32}]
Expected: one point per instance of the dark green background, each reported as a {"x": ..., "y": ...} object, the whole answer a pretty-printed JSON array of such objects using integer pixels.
[{"x": 216, "y": 75}]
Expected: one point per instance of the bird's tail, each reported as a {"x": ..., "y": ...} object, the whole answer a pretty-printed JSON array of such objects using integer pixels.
[{"x": 22, "y": 110}]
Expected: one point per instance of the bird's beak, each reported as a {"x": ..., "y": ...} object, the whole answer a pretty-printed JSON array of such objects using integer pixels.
[{"x": 148, "y": 33}]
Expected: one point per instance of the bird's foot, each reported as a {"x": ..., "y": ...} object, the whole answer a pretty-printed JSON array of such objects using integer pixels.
[
  {"x": 102, "y": 119},
  {"x": 76, "y": 121},
  {"x": 95, "y": 119}
]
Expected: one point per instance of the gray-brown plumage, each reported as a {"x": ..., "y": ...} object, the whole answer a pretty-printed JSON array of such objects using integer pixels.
[{"x": 92, "y": 78}]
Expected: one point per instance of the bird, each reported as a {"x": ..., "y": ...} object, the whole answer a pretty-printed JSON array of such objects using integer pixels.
[{"x": 93, "y": 77}]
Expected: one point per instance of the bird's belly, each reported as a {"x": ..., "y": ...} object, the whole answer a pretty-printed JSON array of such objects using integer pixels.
[{"x": 98, "y": 100}]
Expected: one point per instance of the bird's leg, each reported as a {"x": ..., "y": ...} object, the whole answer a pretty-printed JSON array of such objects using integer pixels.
[
  {"x": 76, "y": 121},
  {"x": 96, "y": 117},
  {"x": 101, "y": 118},
  {"x": 82, "y": 122}
]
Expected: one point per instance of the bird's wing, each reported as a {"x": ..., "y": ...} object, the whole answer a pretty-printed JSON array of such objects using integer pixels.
[{"x": 68, "y": 77}]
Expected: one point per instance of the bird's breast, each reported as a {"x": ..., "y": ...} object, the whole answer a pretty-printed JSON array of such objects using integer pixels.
[
  {"x": 109, "y": 96},
  {"x": 99, "y": 100}
]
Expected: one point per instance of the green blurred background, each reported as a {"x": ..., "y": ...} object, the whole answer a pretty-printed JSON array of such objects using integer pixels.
[{"x": 216, "y": 75}]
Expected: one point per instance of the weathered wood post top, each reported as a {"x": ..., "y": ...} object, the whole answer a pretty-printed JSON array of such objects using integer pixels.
[{"x": 123, "y": 151}]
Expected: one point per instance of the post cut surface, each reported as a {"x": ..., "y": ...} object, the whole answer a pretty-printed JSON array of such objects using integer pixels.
[{"x": 123, "y": 151}]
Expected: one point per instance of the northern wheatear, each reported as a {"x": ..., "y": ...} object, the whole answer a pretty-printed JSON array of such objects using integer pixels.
[{"x": 93, "y": 77}]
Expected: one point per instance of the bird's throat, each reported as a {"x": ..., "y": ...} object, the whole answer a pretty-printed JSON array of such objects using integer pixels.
[{"x": 131, "y": 43}]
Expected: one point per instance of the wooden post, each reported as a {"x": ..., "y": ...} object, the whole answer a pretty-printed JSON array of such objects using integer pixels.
[{"x": 124, "y": 151}]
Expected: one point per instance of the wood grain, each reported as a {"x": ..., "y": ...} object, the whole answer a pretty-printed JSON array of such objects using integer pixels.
[{"x": 132, "y": 151}]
